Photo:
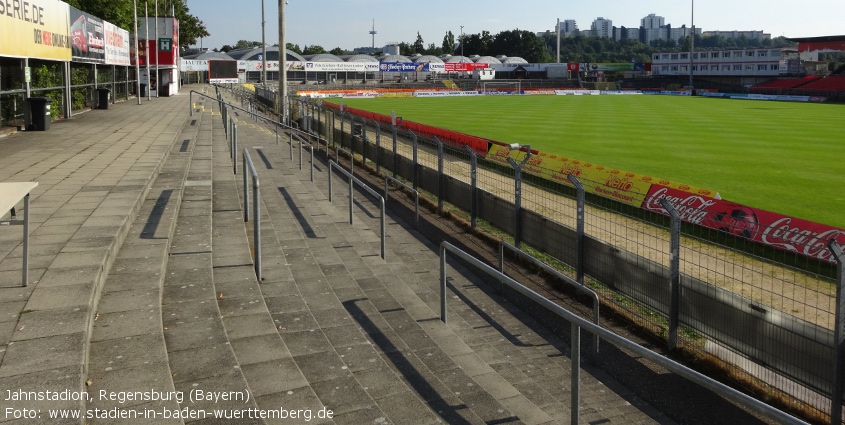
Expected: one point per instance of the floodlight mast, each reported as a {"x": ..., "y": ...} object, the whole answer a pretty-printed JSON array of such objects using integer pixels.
[{"x": 282, "y": 107}]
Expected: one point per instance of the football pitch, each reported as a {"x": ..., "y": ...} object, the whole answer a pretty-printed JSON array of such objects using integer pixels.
[{"x": 783, "y": 157}]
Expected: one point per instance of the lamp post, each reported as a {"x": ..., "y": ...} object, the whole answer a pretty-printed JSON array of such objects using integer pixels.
[
  {"x": 692, "y": 43},
  {"x": 263, "y": 48},
  {"x": 517, "y": 190},
  {"x": 462, "y": 48},
  {"x": 283, "y": 75}
]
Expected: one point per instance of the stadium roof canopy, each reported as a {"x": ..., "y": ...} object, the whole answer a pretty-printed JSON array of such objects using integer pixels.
[
  {"x": 361, "y": 58},
  {"x": 255, "y": 54},
  {"x": 487, "y": 59},
  {"x": 395, "y": 58},
  {"x": 427, "y": 59},
  {"x": 325, "y": 57},
  {"x": 831, "y": 43},
  {"x": 208, "y": 55}
]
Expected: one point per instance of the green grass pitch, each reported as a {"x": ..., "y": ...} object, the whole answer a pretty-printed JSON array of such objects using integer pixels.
[{"x": 779, "y": 156}]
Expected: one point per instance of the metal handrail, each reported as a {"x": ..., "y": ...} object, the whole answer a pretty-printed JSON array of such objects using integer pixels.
[
  {"x": 310, "y": 146},
  {"x": 625, "y": 344},
  {"x": 566, "y": 279},
  {"x": 256, "y": 206},
  {"x": 353, "y": 179},
  {"x": 416, "y": 198}
]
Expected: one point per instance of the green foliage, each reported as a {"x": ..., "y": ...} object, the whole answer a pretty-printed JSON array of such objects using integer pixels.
[
  {"x": 419, "y": 45},
  {"x": 313, "y": 50},
  {"x": 122, "y": 14},
  {"x": 448, "y": 45},
  {"x": 49, "y": 76},
  {"x": 778, "y": 156}
]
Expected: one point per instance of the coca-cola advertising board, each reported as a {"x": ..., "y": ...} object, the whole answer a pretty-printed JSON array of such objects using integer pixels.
[{"x": 776, "y": 230}]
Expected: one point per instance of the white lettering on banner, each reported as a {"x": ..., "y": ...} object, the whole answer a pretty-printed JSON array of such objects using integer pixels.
[
  {"x": 692, "y": 209},
  {"x": 781, "y": 234}
]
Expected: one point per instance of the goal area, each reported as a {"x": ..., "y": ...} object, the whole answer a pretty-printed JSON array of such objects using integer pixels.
[{"x": 501, "y": 87}]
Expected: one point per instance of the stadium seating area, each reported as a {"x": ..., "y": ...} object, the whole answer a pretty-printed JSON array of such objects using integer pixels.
[
  {"x": 786, "y": 83},
  {"x": 812, "y": 85}
]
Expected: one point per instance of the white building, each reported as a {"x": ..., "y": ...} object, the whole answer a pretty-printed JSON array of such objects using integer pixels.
[
  {"x": 751, "y": 35},
  {"x": 602, "y": 28},
  {"x": 652, "y": 21},
  {"x": 739, "y": 63}
]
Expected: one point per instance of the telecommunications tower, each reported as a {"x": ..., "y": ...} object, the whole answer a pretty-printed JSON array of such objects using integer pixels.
[{"x": 373, "y": 33}]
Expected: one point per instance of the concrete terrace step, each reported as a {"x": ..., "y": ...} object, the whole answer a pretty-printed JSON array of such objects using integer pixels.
[
  {"x": 128, "y": 350},
  {"x": 511, "y": 354},
  {"x": 422, "y": 364},
  {"x": 94, "y": 172}
]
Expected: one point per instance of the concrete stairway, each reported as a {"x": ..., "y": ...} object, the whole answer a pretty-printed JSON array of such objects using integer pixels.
[{"x": 491, "y": 363}]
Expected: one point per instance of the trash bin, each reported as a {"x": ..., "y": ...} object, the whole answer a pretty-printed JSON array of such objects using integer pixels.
[
  {"x": 103, "y": 95},
  {"x": 143, "y": 90},
  {"x": 40, "y": 112}
]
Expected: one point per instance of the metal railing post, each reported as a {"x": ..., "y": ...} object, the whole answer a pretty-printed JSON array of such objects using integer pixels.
[
  {"x": 575, "y": 373},
  {"x": 368, "y": 189},
  {"x": 473, "y": 178},
  {"x": 443, "y": 315},
  {"x": 246, "y": 187},
  {"x": 234, "y": 149},
  {"x": 579, "y": 242},
  {"x": 256, "y": 207},
  {"x": 674, "y": 272},
  {"x": 838, "y": 336}
]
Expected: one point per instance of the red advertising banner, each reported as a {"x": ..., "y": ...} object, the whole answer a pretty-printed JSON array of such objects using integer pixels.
[
  {"x": 573, "y": 66},
  {"x": 776, "y": 230},
  {"x": 464, "y": 66}
]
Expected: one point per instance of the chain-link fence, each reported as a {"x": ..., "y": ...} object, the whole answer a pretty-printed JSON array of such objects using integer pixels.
[{"x": 764, "y": 317}]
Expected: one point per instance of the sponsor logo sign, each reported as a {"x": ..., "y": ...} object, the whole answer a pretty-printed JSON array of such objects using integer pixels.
[
  {"x": 776, "y": 230},
  {"x": 88, "y": 36},
  {"x": 117, "y": 45}
]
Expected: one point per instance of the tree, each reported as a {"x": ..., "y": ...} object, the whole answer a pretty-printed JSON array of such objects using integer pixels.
[
  {"x": 337, "y": 51},
  {"x": 419, "y": 45},
  {"x": 121, "y": 14},
  {"x": 449, "y": 43},
  {"x": 524, "y": 44},
  {"x": 244, "y": 44},
  {"x": 294, "y": 48},
  {"x": 313, "y": 50}
]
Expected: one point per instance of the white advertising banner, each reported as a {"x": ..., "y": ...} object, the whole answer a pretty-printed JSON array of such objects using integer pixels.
[
  {"x": 117, "y": 45},
  {"x": 193, "y": 65}
]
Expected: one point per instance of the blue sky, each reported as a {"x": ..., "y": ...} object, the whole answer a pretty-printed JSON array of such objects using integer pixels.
[{"x": 346, "y": 23}]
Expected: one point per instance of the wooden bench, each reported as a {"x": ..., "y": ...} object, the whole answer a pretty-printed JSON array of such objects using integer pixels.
[{"x": 10, "y": 194}]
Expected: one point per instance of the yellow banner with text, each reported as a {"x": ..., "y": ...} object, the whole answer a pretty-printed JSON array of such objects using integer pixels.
[
  {"x": 35, "y": 29},
  {"x": 622, "y": 186}
]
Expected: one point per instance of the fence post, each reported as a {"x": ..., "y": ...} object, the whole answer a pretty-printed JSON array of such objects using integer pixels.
[
  {"x": 674, "y": 272},
  {"x": 473, "y": 177},
  {"x": 395, "y": 158},
  {"x": 235, "y": 149},
  {"x": 379, "y": 156},
  {"x": 414, "y": 137},
  {"x": 579, "y": 267},
  {"x": 439, "y": 175},
  {"x": 363, "y": 141},
  {"x": 838, "y": 335},
  {"x": 517, "y": 193}
]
